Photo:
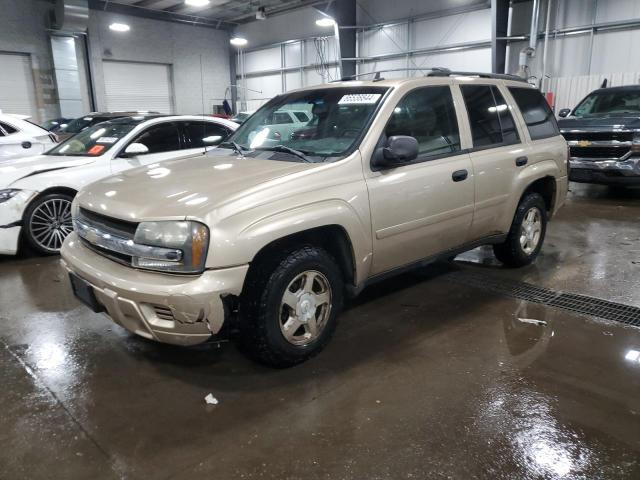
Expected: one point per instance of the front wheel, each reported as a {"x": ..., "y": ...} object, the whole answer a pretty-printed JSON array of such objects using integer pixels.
[
  {"x": 47, "y": 222},
  {"x": 289, "y": 307},
  {"x": 526, "y": 235}
]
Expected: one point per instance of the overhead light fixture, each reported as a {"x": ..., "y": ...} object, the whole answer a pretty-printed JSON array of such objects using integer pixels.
[
  {"x": 197, "y": 3},
  {"x": 261, "y": 14},
  {"x": 325, "y": 22},
  {"x": 119, "y": 27},
  {"x": 238, "y": 41}
]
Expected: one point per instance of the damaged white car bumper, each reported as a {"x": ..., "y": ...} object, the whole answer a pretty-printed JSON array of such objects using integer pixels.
[{"x": 11, "y": 215}]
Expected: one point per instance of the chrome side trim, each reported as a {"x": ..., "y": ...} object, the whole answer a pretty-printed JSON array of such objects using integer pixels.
[{"x": 124, "y": 246}]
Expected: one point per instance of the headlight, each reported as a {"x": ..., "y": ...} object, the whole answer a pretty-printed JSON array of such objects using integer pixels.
[
  {"x": 191, "y": 238},
  {"x": 75, "y": 208},
  {"x": 7, "y": 194},
  {"x": 635, "y": 145}
]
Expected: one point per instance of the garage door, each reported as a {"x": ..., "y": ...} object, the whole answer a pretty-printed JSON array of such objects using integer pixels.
[
  {"x": 17, "y": 93},
  {"x": 138, "y": 86}
]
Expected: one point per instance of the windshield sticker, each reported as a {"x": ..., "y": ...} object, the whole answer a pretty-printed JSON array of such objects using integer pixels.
[
  {"x": 107, "y": 140},
  {"x": 96, "y": 150},
  {"x": 359, "y": 99}
]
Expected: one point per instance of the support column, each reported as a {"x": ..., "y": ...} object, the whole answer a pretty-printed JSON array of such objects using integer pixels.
[
  {"x": 344, "y": 13},
  {"x": 499, "y": 28}
]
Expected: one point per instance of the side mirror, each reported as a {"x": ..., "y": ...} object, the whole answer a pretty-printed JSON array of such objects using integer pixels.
[
  {"x": 564, "y": 112},
  {"x": 135, "y": 149},
  {"x": 212, "y": 140},
  {"x": 399, "y": 150}
]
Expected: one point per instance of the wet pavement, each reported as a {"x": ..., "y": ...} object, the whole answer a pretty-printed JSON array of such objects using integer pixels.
[{"x": 423, "y": 379}]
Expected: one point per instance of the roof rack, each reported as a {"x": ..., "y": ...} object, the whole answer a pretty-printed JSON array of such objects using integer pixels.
[
  {"x": 445, "y": 72},
  {"x": 434, "y": 72}
]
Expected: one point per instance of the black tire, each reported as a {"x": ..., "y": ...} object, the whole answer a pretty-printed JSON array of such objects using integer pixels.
[
  {"x": 511, "y": 253},
  {"x": 34, "y": 222},
  {"x": 261, "y": 310}
]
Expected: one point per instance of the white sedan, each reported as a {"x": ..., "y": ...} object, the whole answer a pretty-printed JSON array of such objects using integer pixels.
[
  {"x": 20, "y": 138},
  {"x": 36, "y": 192}
]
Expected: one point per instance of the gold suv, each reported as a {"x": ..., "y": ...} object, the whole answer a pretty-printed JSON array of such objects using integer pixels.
[{"x": 266, "y": 234}]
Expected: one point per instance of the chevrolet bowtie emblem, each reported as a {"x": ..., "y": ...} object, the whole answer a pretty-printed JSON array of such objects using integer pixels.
[{"x": 584, "y": 143}]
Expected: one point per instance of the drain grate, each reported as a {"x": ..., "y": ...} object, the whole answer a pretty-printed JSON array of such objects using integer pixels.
[{"x": 573, "y": 302}]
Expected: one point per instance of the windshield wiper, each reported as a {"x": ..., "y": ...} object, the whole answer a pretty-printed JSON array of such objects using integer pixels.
[
  {"x": 235, "y": 147},
  {"x": 285, "y": 149}
]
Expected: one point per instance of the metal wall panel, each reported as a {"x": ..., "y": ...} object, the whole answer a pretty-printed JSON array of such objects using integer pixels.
[
  {"x": 452, "y": 29},
  {"x": 265, "y": 59}
]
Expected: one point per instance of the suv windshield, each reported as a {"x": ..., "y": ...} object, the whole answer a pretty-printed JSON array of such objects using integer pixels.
[
  {"x": 317, "y": 123},
  {"x": 94, "y": 141},
  {"x": 613, "y": 101}
]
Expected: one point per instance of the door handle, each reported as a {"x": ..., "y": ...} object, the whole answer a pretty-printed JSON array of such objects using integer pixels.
[
  {"x": 459, "y": 175},
  {"x": 521, "y": 161},
  {"x": 26, "y": 144}
]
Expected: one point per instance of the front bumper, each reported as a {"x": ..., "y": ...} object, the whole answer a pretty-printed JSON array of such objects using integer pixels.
[
  {"x": 11, "y": 213},
  {"x": 176, "y": 309},
  {"x": 606, "y": 172}
]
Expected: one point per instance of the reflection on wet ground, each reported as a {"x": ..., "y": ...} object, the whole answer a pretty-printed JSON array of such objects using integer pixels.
[{"x": 424, "y": 379}]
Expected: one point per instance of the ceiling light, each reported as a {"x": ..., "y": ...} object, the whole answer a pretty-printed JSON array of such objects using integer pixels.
[
  {"x": 119, "y": 27},
  {"x": 325, "y": 22},
  {"x": 197, "y": 3},
  {"x": 238, "y": 41}
]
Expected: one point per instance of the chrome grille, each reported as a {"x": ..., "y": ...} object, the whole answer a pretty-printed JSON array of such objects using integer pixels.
[
  {"x": 599, "y": 152},
  {"x": 599, "y": 145}
]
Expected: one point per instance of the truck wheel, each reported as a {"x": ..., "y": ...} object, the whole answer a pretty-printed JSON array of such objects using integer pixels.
[
  {"x": 526, "y": 235},
  {"x": 289, "y": 306},
  {"x": 47, "y": 222}
]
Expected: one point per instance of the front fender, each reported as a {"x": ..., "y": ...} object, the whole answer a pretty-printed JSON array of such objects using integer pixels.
[{"x": 229, "y": 248}]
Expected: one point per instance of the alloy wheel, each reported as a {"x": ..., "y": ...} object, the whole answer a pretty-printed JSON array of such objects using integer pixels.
[
  {"x": 305, "y": 307},
  {"x": 531, "y": 230},
  {"x": 50, "y": 223}
]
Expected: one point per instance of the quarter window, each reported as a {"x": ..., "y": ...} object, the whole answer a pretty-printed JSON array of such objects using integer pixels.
[
  {"x": 7, "y": 128},
  {"x": 428, "y": 115},
  {"x": 489, "y": 116},
  {"x": 536, "y": 113},
  {"x": 204, "y": 134},
  {"x": 160, "y": 138}
]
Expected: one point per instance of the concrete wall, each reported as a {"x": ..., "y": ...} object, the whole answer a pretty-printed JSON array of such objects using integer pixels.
[
  {"x": 181, "y": 46},
  {"x": 22, "y": 30}
]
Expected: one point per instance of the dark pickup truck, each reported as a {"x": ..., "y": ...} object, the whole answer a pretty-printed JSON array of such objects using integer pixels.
[{"x": 603, "y": 134}]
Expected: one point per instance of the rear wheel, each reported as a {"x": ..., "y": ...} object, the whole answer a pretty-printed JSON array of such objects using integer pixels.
[
  {"x": 526, "y": 235},
  {"x": 47, "y": 222},
  {"x": 289, "y": 307}
]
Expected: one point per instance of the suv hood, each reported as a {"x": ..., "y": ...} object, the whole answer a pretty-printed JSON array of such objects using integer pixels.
[
  {"x": 606, "y": 122},
  {"x": 189, "y": 187},
  {"x": 13, "y": 170}
]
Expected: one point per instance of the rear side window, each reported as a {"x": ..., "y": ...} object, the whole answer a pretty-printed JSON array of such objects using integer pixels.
[
  {"x": 428, "y": 115},
  {"x": 160, "y": 138},
  {"x": 204, "y": 134},
  {"x": 7, "y": 128},
  {"x": 536, "y": 113},
  {"x": 489, "y": 116},
  {"x": 281, "y": 117},
  {"x": 301, "y": 116}
]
